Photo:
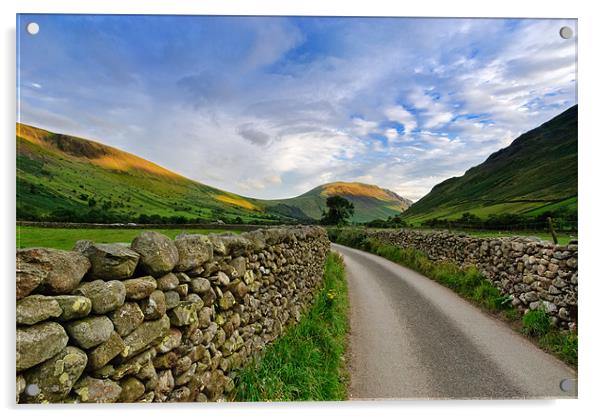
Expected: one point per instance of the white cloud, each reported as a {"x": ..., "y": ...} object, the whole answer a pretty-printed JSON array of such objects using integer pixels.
[
  {"x": 401, "y": 115},
  {"x": 363, "y": 127},
  {"x": 391, "y": 134}
]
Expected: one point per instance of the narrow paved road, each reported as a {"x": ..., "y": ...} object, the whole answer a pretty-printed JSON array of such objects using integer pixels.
[{"x": 412, "y": 338}]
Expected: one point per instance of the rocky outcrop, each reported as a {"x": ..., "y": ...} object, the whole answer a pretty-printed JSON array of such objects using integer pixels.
[
  {"x": 533, "y": 273},
  {"x": 161, "y": 320}
]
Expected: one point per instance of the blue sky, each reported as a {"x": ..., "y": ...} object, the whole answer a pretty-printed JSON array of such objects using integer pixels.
[{"x": 270, "y": 107}]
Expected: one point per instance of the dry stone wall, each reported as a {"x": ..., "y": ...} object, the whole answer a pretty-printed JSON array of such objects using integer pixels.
[
  {"x": 159, "y": 320},
  {"x": 533, "y": 273}
]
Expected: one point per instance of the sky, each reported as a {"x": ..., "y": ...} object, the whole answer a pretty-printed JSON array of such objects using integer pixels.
[{"x": 270, "y": 107}]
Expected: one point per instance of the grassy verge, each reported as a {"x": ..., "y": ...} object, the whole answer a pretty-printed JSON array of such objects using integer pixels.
[
  {"x": 65, "y": 238},
  {"x": 306, "y": 363},
  {"x": 473, "y": 286},
  {"x": 564, "y": 345}
]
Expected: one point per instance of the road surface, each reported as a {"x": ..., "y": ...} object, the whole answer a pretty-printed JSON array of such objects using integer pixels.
[{"x": 412, "y": 338}]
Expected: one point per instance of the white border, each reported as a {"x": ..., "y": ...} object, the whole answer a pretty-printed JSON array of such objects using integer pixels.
[{"x": 589, "y": 192}]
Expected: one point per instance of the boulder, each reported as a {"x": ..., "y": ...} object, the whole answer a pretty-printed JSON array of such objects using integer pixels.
[
  {"x": 183, "y": 278},
  {"x": 205, "y": 315},
  {"x": 181, "y": 394},
  {"x": 236, "y": 245},
  {"x": 73, "y": 307},
  {"x": 227, "y": 301},
  {"x": 240, "y": 266},
  {"x": 148, "y": 398},
  {"x": 165, "y": 361},
  {"x": 91, "y": 390},
  {"x": 154, "y": 307},
  {"x": 111, "y": 261},
  {"x": 238, "y": 288},
  {"x": 91, "y": 331},
  {"x": 249, "y": 277},
  {"x": 145, "y": 335},
  {"x": 193, "y": 297},
  {"x": 134, "y": 365},
  {"x": 185, "y": 377},
  {"x": 38, "y": 343},
  {"x": 170, "y": 341},
  {"x": 105, "y": 296},
  {"x": 182, "y": 364},
  {"x": 200, "y": 285},
  {"x": 140, "y": 288},
  {"x": 37, "y": 308},
  {"x": 127, "y": 318},
  {"x": 193, "y": 251},
  {"x": 168, "y": 282},
  {"x": 219, "y": 248},
  {"x": 165, "y": 384},
  {"x": 106, "y": 351},
  {"x": 158, "y": 253},
  {"x": 221, "y": 279},
  {"x": 55, "y": 271},
  {"x": 172, "y": 299},
  {"x": 132, "y": 389},
  {"x": 55, "y": 377},
  {"x": 182, "y": 290},
  {"x": 184, "y": 314},
  {"x": 147, "y": 372},
  {"x": 257, "y": 239}
]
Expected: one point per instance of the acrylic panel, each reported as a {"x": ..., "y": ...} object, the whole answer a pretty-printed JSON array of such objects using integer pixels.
[{"x": 273, "y": 208}]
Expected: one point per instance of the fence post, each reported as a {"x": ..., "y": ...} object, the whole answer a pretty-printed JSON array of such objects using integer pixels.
[{"x": 552, "y": 231}]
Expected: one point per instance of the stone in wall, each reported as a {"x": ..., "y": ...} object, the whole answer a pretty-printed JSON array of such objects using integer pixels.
[
  {"x": 158, "y": 253},
  {"x": 111, "y": 261},
  {"x": 51, "y": 272}
]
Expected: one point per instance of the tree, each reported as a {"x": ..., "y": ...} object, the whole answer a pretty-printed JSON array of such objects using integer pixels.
[{"x": 339, "y": 210}]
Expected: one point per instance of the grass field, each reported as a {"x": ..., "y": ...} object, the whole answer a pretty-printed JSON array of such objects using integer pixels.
[
  {"x": 65, "y": 238},
  {"x": 563, "y": 237},
  {"x": 306, "y": 363}
]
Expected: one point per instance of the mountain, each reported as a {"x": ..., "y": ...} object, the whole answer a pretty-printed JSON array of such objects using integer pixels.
[
  {"x": 66, "y": 177},
  {"x": 536, "y": 173},
  {"x": 370, "y": 202},
  {"x": 58, "y": 172}
]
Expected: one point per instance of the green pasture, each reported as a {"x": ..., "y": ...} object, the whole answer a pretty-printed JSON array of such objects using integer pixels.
[{"x": 65, "y": 238}]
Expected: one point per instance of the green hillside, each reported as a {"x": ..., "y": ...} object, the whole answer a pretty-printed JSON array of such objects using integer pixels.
[
  {"x": 370, "y": 202},
  {"x": 534, "y": 174},
  {"x": 64, "y": 174},
  {"x": 61, "y": 177}
]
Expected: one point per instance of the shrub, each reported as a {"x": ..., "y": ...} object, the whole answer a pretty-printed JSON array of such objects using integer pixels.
[{"x": 536, "y": 322}]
